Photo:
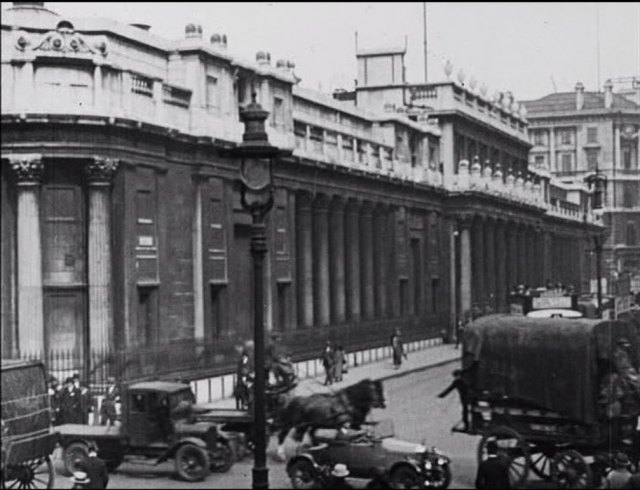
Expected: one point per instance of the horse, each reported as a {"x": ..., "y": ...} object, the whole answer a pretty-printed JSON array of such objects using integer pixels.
[{"x": 350, "y": 405}]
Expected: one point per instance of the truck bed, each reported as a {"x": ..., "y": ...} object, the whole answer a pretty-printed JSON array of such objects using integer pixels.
[
  {"x": 91, "y": 431},
  {"x": 225, "y": 415}
]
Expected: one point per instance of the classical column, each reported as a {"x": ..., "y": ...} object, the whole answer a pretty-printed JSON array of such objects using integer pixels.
[
  {"x": 100, "y": 173},
  {"x": 617, "y": 151},
  {"x": 366, "y": 247},
  {"x": 547, "y": 257},
  {"x": 490, "y": 263},
  {"x": 522, "y": 255},
  {"x": 552, "y": 150},
  {"x": 352, "y": 246},
  {"x": 502, "y": 280},
  {"x": 28, "y": 170},
  {"x": 533, "y": 267},
  {"x": 380, "y": 265},
  {"x": 512, "y": 256},
  {"x": 321, "y": 260},
  {"x": 465, "y": 264},
  {"x": 337, "y": 261},
  {"x": 479, "y": 293},
  {"x": 304, "y": 228}
]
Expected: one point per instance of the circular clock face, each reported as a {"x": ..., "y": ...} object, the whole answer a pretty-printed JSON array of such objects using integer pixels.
[{"x": 255, "y": 173}]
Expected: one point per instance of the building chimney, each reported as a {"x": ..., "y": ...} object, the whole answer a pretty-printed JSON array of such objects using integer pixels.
[
  {"x": 608, "y": 94},
  {"x": 579, "y": 96},
  {"x": 219, "y": 40},
  {"x": 144, "y": 27},
  {"x": 193, "y": 31},
  {"x": 263, "y": 58}
]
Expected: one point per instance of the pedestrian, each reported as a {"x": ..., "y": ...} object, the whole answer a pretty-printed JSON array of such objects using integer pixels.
[
  {"x": 85, "y": 399},
  {"x": 70, "y": 403},
  {"x": 493, "y": 472},
  {"x": 339, "y": 363},
  {"x": 620, "y": 475},
  {"x": 108, "y": 412},
  {"x": 327, "y": 363},
  {"x": 55, "y": 394},
  {"x": 338, "y": 481},
  {"x": 460, "y": 385},
  {"x": 244, "y": 376},
  {"x": 633, "y": 482},
  {"x": 96, "y": 470},
  {"x": 80, "y": 480},
  {"x": 397, "y": 348}
]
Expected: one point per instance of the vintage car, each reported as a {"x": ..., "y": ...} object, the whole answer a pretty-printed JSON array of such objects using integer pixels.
[
  {"x": 159, "y": 422},
  {"x": 376, "y": 454},
  {"x": 27, "y": 437}
]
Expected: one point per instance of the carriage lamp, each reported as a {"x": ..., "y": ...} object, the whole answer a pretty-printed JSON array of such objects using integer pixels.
[{"x": 257, "y": 157}]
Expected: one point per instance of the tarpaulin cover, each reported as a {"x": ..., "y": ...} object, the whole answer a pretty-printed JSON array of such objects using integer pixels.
[{"x": 551, "y": 363}]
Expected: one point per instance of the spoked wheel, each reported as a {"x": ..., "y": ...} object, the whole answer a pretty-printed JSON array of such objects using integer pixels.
[
  {"x": 37, "y": 473},
  {"x": 512, "y": 446},
  {"x": 192, "y": 463},
  {"x": 221, "y": 457},
  {"x": 542, "y": 464},
  {"x": 570, "y": 470}
]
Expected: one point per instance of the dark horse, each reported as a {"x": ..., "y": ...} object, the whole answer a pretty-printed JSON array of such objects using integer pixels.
[{"x": 350, "y": 405}]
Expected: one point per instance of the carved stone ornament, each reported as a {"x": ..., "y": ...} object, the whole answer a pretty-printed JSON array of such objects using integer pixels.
[
  {"x": 27, "y": 168},
  {"x": 63, "y": 40},
  {"x": 102, "y": 170}
]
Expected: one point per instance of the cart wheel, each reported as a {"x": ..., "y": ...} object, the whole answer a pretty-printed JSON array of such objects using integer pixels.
[
  {"x": 512, "y": 446},
  {"x": 37, "y": 473},
  {"x": 541, "y": 465},
  {"x": 192, "y": 462},
  {"x": 570, "y": 470}
]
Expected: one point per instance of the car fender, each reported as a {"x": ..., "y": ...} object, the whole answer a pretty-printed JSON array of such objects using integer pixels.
[
  {"x": 305, "y": 457},
  {"x": 169, "y": 453},
  {"x": 407, "y": 462}
]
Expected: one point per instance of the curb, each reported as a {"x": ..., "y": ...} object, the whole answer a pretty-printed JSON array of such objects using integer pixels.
[{"x": 416, "y": 370}]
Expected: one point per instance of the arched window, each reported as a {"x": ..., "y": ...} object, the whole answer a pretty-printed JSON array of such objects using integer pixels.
[{"x": 631, "y": 234}]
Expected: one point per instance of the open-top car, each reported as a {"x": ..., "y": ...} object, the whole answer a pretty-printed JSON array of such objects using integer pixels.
[{"x": 374, "y": 454}]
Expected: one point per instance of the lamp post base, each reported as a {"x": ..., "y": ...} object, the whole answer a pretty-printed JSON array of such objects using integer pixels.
[{"x": 261, "y": 478}]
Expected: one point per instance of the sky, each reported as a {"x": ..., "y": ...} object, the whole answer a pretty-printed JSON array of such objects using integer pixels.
[{"x": 531, "y": 49}]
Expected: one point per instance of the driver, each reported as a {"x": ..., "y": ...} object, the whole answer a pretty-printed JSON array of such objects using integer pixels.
[{"x": 345, "y": 432}]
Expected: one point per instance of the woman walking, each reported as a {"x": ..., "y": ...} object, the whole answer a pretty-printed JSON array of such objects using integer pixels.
[{"x": 398, "y": 350}]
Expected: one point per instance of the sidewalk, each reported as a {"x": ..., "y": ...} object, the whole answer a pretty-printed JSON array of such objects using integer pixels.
[{"x": 382, "y": 370}]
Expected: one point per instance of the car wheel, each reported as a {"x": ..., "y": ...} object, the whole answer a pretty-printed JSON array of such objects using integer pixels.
[
  {"x": 405, "y": 477},
  {"x": 222, "y": 458},
  {"x": 303, "y": 475},
  {"x": 192, "y": 462},
  {"x": 74, "y": 454},
  {"x": 445, "y": 478}
]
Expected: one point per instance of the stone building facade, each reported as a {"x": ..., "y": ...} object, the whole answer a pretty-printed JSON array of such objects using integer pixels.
[
  {"x": 575, "y": 133},
  {"x": 121, "y": 219}
]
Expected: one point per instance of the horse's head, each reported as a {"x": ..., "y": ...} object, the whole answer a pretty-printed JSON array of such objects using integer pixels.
[{"x": 367, "y": 394}]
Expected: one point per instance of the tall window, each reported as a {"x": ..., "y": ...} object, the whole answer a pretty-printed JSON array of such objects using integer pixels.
[
  {"x": 592, "y": 159},
  {"x": 213, "y": 94},
  {"x": 566, "y": 162},
  {"x": 592, "y": 135},
  {"x": 566, "y": 136},
  {"x": 278, "y": 112},
  {"x": 539, "y": 161},
  {"x": 540, "y": 138},
  {"x": 631, "y": 234},
  {"x": 626, "y": 157}
]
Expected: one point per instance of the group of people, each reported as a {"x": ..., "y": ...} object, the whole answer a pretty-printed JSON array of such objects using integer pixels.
[
  {"x": 334, "y": 362},
  {"x": 71, "y": 402}
]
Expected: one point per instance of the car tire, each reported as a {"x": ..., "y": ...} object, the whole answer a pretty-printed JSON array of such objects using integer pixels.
[
  {"x": 222, "y": 457},
  {"x": 405, "y": 476},
  {"x": 192, "y": 463},
  {"x": 72, "y": 454},
  {"x": 446, "y": 478},
  {"x": 303, "y": 475}
]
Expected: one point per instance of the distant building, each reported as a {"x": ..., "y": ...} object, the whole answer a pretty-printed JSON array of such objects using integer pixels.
[
  {"x": 122, "y": 227},
  {"x": 573, "y": 133}
]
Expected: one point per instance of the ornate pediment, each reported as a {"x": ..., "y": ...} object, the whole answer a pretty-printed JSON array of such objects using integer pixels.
[{"x": 64, "y": 40}]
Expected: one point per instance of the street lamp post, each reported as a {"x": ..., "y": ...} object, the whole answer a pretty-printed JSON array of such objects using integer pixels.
[
  {"x": 256, "y": 156},
  {"x": 598, "y": 182}
]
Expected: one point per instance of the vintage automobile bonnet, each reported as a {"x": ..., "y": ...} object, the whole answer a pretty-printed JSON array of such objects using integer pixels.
[{"x": 550, "y": 363}]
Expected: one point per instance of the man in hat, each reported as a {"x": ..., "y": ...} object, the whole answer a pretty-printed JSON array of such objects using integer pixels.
[
  {"x": 108, "y": 412},
  {"x": 328, "y": 359},
  {"x": 338, "y": 477},
  {"x": 54, "y": 397},
  {"x": 85, "y": 399},
  {"x": 96, "y": 469},
  {"x": 70, "y": 408},
  {"x": 80, "y": 480},
  {"x": 619, "y": 476},
  {"x": 460, "y": 384},
  {"x": 493, "y": 472}
]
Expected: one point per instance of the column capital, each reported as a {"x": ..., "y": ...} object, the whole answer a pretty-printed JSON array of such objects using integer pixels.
[
  {"x": 465, "y": 220},
  {"x": 28, "y": 168},
  {"x": 100, "y": 170}
]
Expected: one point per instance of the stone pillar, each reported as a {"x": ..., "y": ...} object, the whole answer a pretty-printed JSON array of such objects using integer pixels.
[
  {"x": 502, "y": 279},
  {"x": 479, "y": 292},
  {"x": 533, "y": 268},
  {"x": 337, "y": 261},
  {"x": 321, "y": 261},
  {"x": 304, "y": 228},
  {"x": 366, "y": 248},
  {"x": 198, "y": 262},
  {"x": 490, "y": 263},
  {"x": 546, "y": 257},
  {"x": 28, "y": 170},
  {"x": 512, "y": 256},
  {"x": 552, "y": 150},
  {"x": 352, "y": 246},
  {"x": 26, "y": 88},
  {"x": 522, "y": 255},
  {"x": 100, "y": 173},
  {"x": 98, "y": 97},
  {"x": 617, "y": 152},
  {"x": 380, "y": 264},
  {"x": 465, "y": 264}
]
